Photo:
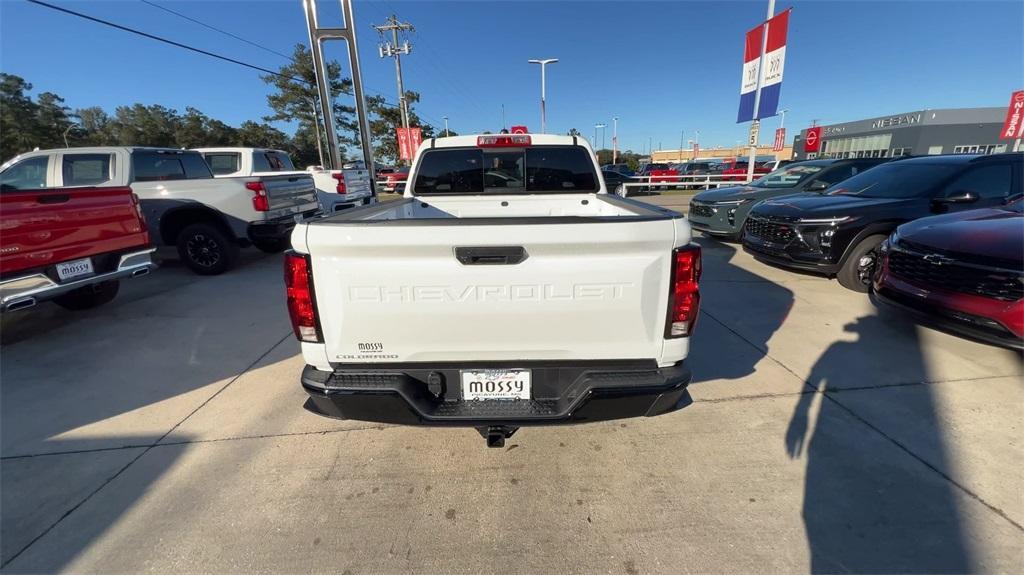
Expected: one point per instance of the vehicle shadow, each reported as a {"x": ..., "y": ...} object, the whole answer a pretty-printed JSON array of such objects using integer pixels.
[
  {"x": 82, "y": 391},
  {"x": 731, "y": 349},
  {"x": 868, "y": 507}
]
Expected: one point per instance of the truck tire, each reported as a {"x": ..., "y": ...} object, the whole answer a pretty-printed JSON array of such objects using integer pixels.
[
  {"x": 206, "y": 250},
  {"x": 860, "y": 266},
  {"x": 89, "y": 296},
  {"x": 272, "y": 245}
]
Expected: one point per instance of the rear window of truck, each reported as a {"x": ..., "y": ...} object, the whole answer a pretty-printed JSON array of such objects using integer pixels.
[
  {"x": 224, "y": 163},
  {"x": 272, "y": 162},
  {"x": 162, "y": 166},
  {"x": 531, "y": 170}
]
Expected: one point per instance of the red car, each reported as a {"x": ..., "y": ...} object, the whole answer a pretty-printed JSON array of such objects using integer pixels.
[
  {"x": 962, "y": 271},
  {"x": 392, "y": 179},
  {"x": 69, "y": 245},
  {"x": 737, "y": 170},
  {"x": 658, "y": 173}
]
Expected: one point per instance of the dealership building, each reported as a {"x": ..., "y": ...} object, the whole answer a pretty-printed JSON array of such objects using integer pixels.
[{"x": 925, "y": 132}]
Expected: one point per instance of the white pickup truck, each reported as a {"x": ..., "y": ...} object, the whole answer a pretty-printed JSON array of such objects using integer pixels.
[
  {"x": 507, "y": 288},
  {"x": 208, "y": 219},
  {"x": 335, "y": 189}
]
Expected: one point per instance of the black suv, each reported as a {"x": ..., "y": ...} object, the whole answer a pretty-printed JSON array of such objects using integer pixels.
[{"x": 838, "y": 233}]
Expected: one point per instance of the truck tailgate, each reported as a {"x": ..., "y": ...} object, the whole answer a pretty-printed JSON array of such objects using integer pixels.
[
  {"x": 290, "y": 193},
  {"x": 49, "y": 226},
  {"x": 594, "y": 290}
]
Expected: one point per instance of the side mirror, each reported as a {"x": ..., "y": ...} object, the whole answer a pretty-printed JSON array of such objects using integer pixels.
[
  {"x": 817, "y": 186},
  {"x": 959, "y": 197}
]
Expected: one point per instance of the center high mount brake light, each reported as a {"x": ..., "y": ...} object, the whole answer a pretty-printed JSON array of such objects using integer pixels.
[{"x": 503, "y": 141}]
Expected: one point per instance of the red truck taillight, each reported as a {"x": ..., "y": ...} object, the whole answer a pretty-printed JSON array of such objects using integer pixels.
[
  {"x": 684, "y": 295},
  {"x": 260, "y": 201},
  {"x": 298, "y": 283},
  {"x": 503, "y": 141},
  {"x": 341, "y": 182}
]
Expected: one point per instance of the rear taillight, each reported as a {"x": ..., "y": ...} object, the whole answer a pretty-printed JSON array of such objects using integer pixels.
[
  {"x": 298, "y": 283},
  {"x": 260, "y": 201},
  {"x": 341, "y": 182},
  {"x": 503, "y": 141},
  {"x": 684, "y": 295},
  {"x": 138, "y": 213}
]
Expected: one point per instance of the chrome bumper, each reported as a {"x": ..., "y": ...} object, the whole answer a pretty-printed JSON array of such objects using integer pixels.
[{"x": 26, "y": 291}]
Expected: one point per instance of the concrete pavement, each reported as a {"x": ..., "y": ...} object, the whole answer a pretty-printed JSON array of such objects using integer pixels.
[{"x": 164, "y": 432}]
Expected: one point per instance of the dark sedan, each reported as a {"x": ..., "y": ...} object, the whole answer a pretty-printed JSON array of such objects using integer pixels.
[
  {"x": 838, "y": 233},
  {"x": 722, "y": 212},
  {"x": 614, "y": 180},
  {"x": 963, "y": 272}
]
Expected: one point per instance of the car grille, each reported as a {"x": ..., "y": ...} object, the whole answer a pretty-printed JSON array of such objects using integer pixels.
[
  {"x": 701, "y": 210},
  {"x": 775, "y": 232},
  {"x": 951, "y": 276}
]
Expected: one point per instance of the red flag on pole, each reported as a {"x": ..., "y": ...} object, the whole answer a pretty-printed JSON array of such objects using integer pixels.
[{"x": 780, "y": 140}]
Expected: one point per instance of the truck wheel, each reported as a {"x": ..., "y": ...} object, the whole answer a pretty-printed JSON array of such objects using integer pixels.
[
  {"x": 88, "y": 296},
  {"x": 206, "y": 250},
  {"x": 860, "y": 266},
  {"x": 272, "y": 245}
]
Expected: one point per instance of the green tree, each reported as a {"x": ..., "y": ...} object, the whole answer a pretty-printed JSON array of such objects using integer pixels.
[
  {"x": 140, "y": 125},
  {"x": 53, "y": 119},
  {"x": 94, "y": 127},
  {"x": 255, "y": 135},
  {"x": 18, "y": 117},
  {"x": 298, "y": 101},
  {"x": 190, "y": 129},
  {"x": 385, "y": 119}
]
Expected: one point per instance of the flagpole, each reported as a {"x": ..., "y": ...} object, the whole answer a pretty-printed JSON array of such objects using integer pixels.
[{"x": 756, "y": 125}]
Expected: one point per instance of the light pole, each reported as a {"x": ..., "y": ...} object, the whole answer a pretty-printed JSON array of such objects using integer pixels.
[
  {"x": 66, "y": 135},
  {"x": 543, "y": 90},
  {"x": 316, "y": 126},
  {"x": 696, "y": 140},
  {"x": 445, "y": 126},
  {"x": 596, "y": 128},
  {"x": 615, "y": 139}
]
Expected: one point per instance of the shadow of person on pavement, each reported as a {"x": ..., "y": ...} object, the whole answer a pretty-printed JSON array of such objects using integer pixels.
[{"x": 869, "y": 506}]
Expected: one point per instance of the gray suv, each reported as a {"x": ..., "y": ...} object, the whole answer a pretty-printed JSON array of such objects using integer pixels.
[{"x": 722, "y": 212}]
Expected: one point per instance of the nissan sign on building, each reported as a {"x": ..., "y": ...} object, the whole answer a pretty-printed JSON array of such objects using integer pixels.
[{"x": 924, "y": 132}]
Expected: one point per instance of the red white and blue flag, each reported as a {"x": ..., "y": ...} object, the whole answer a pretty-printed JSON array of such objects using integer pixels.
[{"x": 762, "y": 78}]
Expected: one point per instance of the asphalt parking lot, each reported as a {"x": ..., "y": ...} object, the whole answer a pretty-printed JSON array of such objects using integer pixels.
[{"x": 165, "y": 432}]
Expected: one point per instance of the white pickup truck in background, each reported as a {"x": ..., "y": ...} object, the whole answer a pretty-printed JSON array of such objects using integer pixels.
[
  {"x": 208, "y": 219},
  {"x": 507, "y": 288},
  {"x": 336, "y": 189}
]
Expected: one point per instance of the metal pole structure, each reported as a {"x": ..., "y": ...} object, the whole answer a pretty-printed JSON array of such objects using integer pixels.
[
  {"x": 543, "y": 91},
  {"x": 615, "y": 140},
  {"x": 681, "y": 140},
  {"x": 347, "y": 33},
  {"x": 596, "y": 128},
  {"x": 446, "y": 126},
  {"x": 755, "y": 127},
  {"x": 316, "y": 126},
  {"x": 66, "y": 130},
  {"x": 696, "y": 140}
]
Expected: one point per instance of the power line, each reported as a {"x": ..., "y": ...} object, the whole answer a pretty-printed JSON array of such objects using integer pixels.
[
  {"x": 197, "y": 50},
  {"x": 215, "y": 29},
  {"x": 165, "y": 40}
]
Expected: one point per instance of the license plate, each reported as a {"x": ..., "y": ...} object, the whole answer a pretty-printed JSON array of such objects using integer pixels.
[
  {"x": 495, "y": 384},
  {"x": 74, "y": 269}
]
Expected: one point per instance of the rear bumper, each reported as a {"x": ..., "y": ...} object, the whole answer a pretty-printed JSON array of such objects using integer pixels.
[
  {"x": 565, "y": 394},
  {"x": 27, "y": 290},
  {"x": 275, "y": 229}
]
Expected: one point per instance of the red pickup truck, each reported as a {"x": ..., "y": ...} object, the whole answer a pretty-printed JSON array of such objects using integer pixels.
[
  {"x": 659, "y": 173},
  {"x": 70, "y": 245},
  {"x": 736, "y": 171}
]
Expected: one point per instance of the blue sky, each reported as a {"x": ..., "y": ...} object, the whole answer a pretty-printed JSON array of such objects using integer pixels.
[{"x": 661, "y": 67}]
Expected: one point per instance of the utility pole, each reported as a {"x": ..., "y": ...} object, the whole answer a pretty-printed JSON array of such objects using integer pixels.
[
  {"x": 392, "y": 49},
  {"x": 445, "y": 126},
  {"x": 615, "y": 139}
]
